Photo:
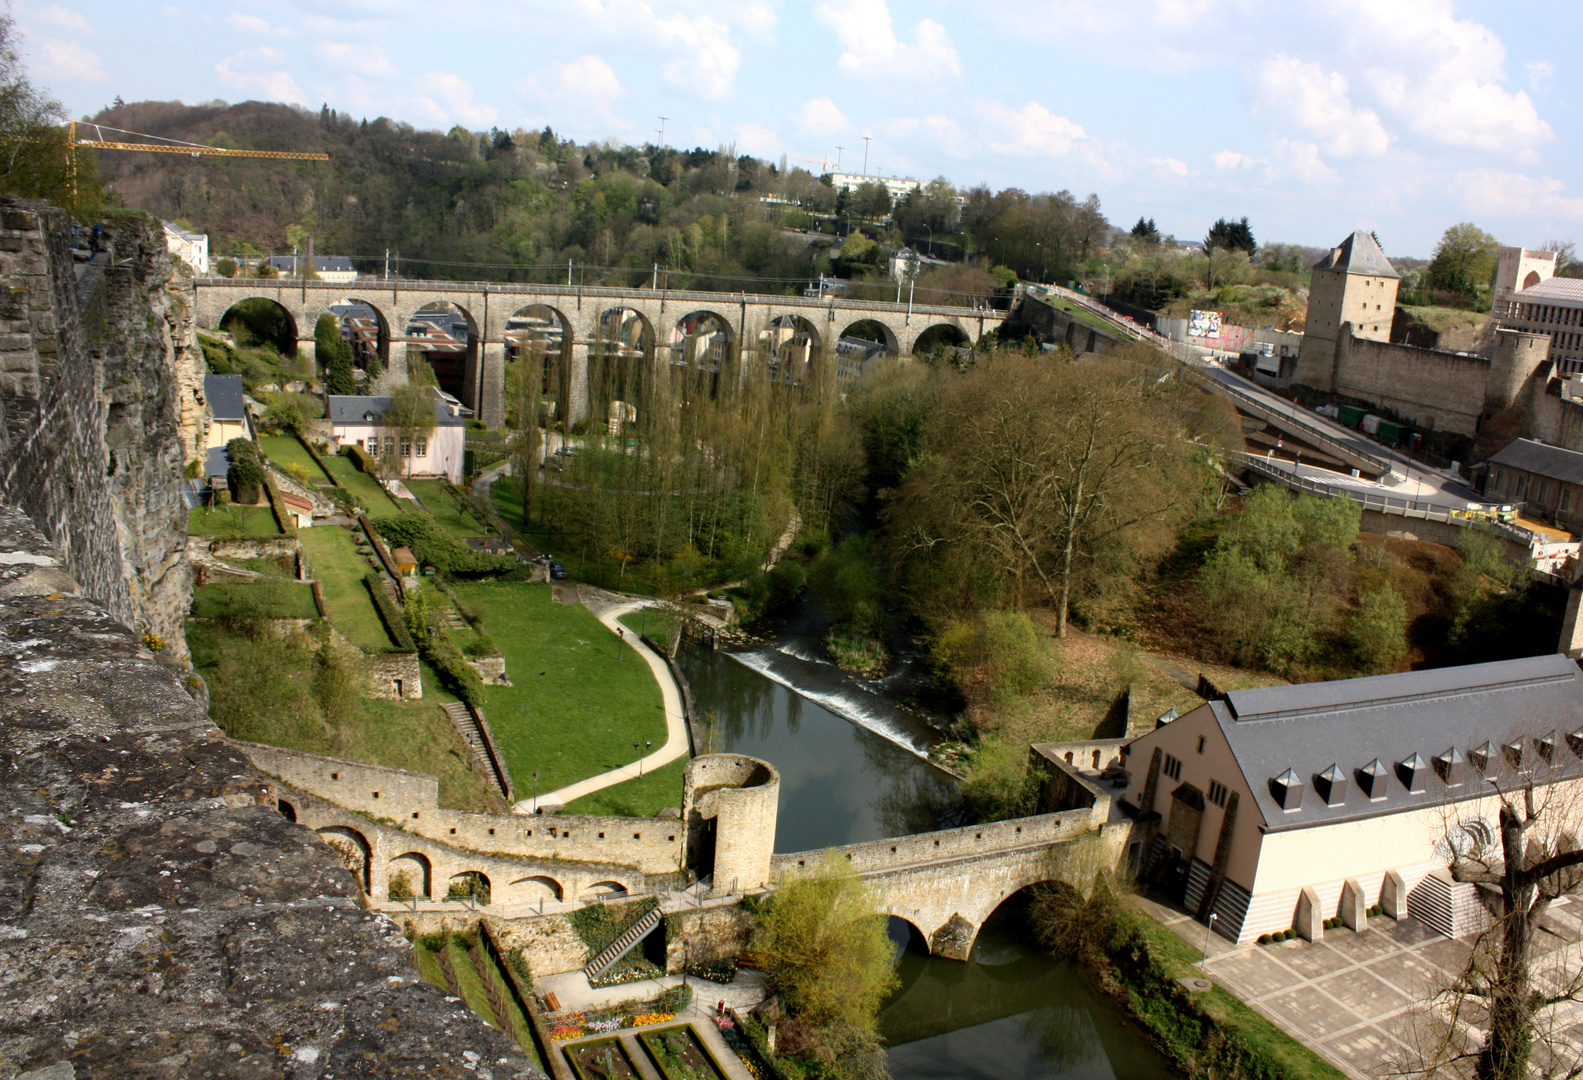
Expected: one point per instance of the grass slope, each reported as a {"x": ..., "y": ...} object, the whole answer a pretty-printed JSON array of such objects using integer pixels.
[
  {"x": 340, "y": 569},
  {"x": 580, "y": 699},
  {"x": 292, "y": 600},
  {"x": 283, "y": 450},
  {"x": 438, "y": 502},
  {"x": 369, "y": 495},
  {"x": 225, "y": 520}
]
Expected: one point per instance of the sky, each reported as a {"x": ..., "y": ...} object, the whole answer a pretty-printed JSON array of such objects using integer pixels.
[{"x": 1400, "y": 116}]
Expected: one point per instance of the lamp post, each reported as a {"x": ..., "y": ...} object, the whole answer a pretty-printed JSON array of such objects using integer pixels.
[
  {"x": 535, "y": 793},
  {"x": 931, "y": 239},
  {"x": 1207, "y": 931}
]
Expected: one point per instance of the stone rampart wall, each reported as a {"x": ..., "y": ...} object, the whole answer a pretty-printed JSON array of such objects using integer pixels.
[
  {"x": 159, "y": 916},
  {"x": 1439, "y": 390},
  {"x": 973, "y": 840},
  {"x": 648, "y": 845}
]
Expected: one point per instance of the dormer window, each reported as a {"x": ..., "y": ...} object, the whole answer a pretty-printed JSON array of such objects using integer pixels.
[
  {"x": 1513, "y": 753},
  {"x": 1547, "y": 748},
  {"x": 1448, "y": 766},
  {"x": 1288, "y": 790},
  {"x": 1331, "y": 786},
  {"x": 1414, "y": 772},
  {"x": 1480, "y": 757},
  {"x": 1373, "y": 779},
  {"x": 1575, "y": 741}
]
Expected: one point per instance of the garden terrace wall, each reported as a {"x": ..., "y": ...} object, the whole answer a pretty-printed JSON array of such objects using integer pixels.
[{"x": 647, "y": 845}]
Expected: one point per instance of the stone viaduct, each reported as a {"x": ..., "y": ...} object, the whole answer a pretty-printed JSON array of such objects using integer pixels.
[
  {"x": 386, "y": 824},
  {"x": 579, "y": 314}
]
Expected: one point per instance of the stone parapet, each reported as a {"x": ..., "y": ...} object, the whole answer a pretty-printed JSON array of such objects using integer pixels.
[{"x": 158, "y": 916}]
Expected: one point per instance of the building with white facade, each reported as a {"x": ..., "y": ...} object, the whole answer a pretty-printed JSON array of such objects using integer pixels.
[
  {"x": 356, "y": 420},
  {"x": 190, "y": 247},
  {"x": 898, "y": 186},
  {"x": 332, "y": 268}
]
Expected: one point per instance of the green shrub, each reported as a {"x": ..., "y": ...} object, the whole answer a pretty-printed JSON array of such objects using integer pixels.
[
  {"x": 395, "y": 625},
  {"x": 245, "y": 477},
  {"x": 360, "y": 458},
  {"x": 673, "y": 999},
  {"x": 434, "y": 546}
]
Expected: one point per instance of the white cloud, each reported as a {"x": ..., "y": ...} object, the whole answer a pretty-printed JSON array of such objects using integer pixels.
[
  {"x": 1230, "y": 159},
  {"x": 941, "y": 133},
  {"x": 587, "y": 77},
  {"x": 821, "y": 116},
  {"x": 255, "y": 71},
  {"x": 1170, "y": 165},
  {"x": 1301, "y": 93},
  {"x": 250, "y": 24},
  {"x": 758, "y": 140},
  {"x": 364, "y": 58},
  {"x": 457, "y": 94},
  {"x": 174, "y": 12},
  {"x": 1034, "y": 130},
  {"x": 1539, "y": 72},
  {"x": 55, "y": 16},
  {"x": 1301, "y": 161},
  {"x": 1444, "y": 79},
  {"x": 1493, "y": 191},
  {"x": 69, "y": 60},
  {"x": 708, "y": 61},
  {"x": 871, "y": 47}
]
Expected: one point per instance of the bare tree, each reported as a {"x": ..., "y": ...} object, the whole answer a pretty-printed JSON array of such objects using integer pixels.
[{"x": 1513, "y": 988}]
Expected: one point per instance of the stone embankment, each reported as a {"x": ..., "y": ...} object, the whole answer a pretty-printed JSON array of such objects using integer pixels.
[{"x": 158, "y": 916}]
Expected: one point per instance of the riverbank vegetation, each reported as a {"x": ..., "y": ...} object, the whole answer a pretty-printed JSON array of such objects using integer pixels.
[{"x": 827, "y": 957}]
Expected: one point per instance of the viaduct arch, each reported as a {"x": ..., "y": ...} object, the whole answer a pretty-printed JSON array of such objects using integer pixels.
[{"x": 745, "y": 317}]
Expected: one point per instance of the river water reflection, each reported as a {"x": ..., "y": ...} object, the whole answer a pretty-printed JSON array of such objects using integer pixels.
[{"x": 1011, "y": 1011}]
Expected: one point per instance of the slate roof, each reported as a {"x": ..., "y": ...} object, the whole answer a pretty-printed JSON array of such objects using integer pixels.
[
  {"x": 1556, "y": 288},
  {"x": 333, "y": 264},
  {"x": 1351, "y": 723},
  {"x": 1542, "y": 459},
  {"x": 225, "y": 397},
  {"x": 1359, "y": 254},
  {"x": 355, "y": 409},
  {"x": 216, "y": 463}
]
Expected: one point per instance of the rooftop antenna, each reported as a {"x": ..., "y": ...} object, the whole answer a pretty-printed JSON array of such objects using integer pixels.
[{"x": 662, "y": 131}]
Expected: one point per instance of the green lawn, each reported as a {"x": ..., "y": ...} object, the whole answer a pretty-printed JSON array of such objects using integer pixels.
[
  {"x": 226, "y": 520},
  {"x": 364, "y": 488},
  {"x": 508, "y": 502},
  {"x": 417, "y": 735},
  {"x": 634, "y": 798},
  {"x": 284, "y": 600},
  {"x": 438, "y": 502},
  {"x": 580, "y": 699},
  {"x": 283, "y": 450},
  {"x": 340, "y": 569},
  {"x": 1080, "y": 313}
]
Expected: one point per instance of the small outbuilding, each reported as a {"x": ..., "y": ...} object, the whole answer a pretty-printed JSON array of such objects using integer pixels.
[
  {"x": 406, "y": 563},
  {"x": 300, "y": 509}
]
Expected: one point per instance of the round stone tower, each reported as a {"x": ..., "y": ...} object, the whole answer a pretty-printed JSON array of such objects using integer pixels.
[
  {"x": 1517, "y": 357},
  {"x": 730, "y": 802}
]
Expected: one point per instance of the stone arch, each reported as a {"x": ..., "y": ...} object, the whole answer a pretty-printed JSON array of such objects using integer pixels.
[
  {"x": 1531, "y": 280},
  {"x": 287, "y": 811},
  {"x": 701, "y": 347},
  {"x": 445, "y": 335},
  {"x": 469, "y": 885},
  {"x": 367, "y": 329},
  {"x": 601, "y": 890},
  {"x": 284, "y": 334},
  {"x": 906, "y": 935},
  {"x": 353, "y": 848},
  {"x": 537, "y": 887},
  {"x": 793, "y": 347},
  {"x": 940, "y": 336},
  {"x": 862, "y": 343},
  {"x": 416, "y": 870},
  {"x": 620, "y": 364},
  {"x": 541, "y": 336}
]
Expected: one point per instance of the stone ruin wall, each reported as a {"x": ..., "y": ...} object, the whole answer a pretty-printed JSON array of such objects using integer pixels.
[
  {"x": 158, "y": 916},
  {"x": 100, "y": 394},
  {"x": 1438, "y": 390}
]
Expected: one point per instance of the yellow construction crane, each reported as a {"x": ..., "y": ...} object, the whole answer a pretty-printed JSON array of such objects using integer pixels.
[
  {"x": 172, "y": 146},
  {"x": 823, "y": 163}
]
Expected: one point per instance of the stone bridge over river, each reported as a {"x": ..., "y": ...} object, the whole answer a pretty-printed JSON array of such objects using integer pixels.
[
  {"x": 387, "y": 825},
  {"x": 572, "y": 320}
]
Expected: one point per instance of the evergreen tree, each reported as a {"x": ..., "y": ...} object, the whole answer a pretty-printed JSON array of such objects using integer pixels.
[
  {"x": 1146, "y": 231},
  {"x": 1231, "y": 236},
  {"x": 335, "y": 356}
]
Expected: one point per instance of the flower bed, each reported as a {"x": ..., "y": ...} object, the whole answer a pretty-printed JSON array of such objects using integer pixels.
[
  {"x": 578, "y": 1025},
  {"x": 632, "y": 969},
  {"x": 720, "y": 971},
  {"x": 679, "y": 1055},
  {"x": 602, "y": 1060}
]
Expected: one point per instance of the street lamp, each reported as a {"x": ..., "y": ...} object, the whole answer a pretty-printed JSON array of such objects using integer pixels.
[
  {"x": 1207, "y": 931},
  {"x": 535, "y": 793},
  {"x": 931, "y": 239}
]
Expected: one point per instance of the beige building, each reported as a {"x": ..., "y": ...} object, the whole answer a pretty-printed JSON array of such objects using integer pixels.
[
  {"x": 227, "y": 402},
  {"x": 1547, "y": 480},
  {"x": 1354, "y": 284},
  {"x": 1288, "y": 805}
]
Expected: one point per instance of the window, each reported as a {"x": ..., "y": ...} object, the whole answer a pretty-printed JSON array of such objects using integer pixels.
[
  {"x": 1173, "y": 767},
  {"x": 1218, "y": 793},
  {"x": 1522, "y": 486},
  {"x": 1544, "y": 489},
  {"x": 423, "y": 447},
  {"x": 406, "y": 448},
  {"x": 1200, "y": 744},
  {"x": 1566, "y": 498},
  {"x": 1500, "y": 478}
]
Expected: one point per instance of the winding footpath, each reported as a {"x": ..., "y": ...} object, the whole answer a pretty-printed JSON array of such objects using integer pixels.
[{"x": 675, "y": 722}]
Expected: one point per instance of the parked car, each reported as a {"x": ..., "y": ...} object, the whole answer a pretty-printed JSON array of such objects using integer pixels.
[{"x": 558, "y": 572}]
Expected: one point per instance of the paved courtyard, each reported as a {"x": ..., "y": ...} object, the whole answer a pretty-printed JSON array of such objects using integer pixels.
[{"x": 1351, "y": 996}]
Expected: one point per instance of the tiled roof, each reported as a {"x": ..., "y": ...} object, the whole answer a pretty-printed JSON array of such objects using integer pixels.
[
  {"x": 1556, "y": 288},
  {"x": 333, "y": 264},
  {"x": 1542, "y": 459},
  {"x": 358, "y": 409},
  {"x": 1396, "y": 733},
  {"x": 1359, "y": 254},
  {"x": 225, "y": 396}
]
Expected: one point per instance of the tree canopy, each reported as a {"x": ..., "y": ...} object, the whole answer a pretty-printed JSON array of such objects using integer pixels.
[
  {"x": 1464, "y": 260},
  {"x": 1230, "y": 236}
]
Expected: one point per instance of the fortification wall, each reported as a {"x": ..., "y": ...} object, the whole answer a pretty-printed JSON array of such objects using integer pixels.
[
  {"x": 159, "y": 917},
  {"x": 1443, "y": 391},
  {"x": 410, "y": 801},
  {"x": 97, "y": 377},
  {"x": 973, "y": 840}
]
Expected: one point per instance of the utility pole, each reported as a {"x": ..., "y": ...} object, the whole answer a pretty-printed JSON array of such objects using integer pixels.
[
  {"x": 662, "y": 131},
  {"x": 866, "y": 139},
  {"x": 387, "y": 264}
]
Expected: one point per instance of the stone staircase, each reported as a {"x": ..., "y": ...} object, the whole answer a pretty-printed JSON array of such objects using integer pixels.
[
  {"x": 474, "y": 730},
  {"x": 454, "y": 620},
  {"x": 624, "y": 944}
]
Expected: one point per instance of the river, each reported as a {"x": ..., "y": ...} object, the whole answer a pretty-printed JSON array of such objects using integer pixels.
[{"x": 852, "y": 768}]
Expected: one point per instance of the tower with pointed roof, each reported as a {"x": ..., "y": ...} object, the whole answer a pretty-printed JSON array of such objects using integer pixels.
[{"x": 1355, "y": 284}]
